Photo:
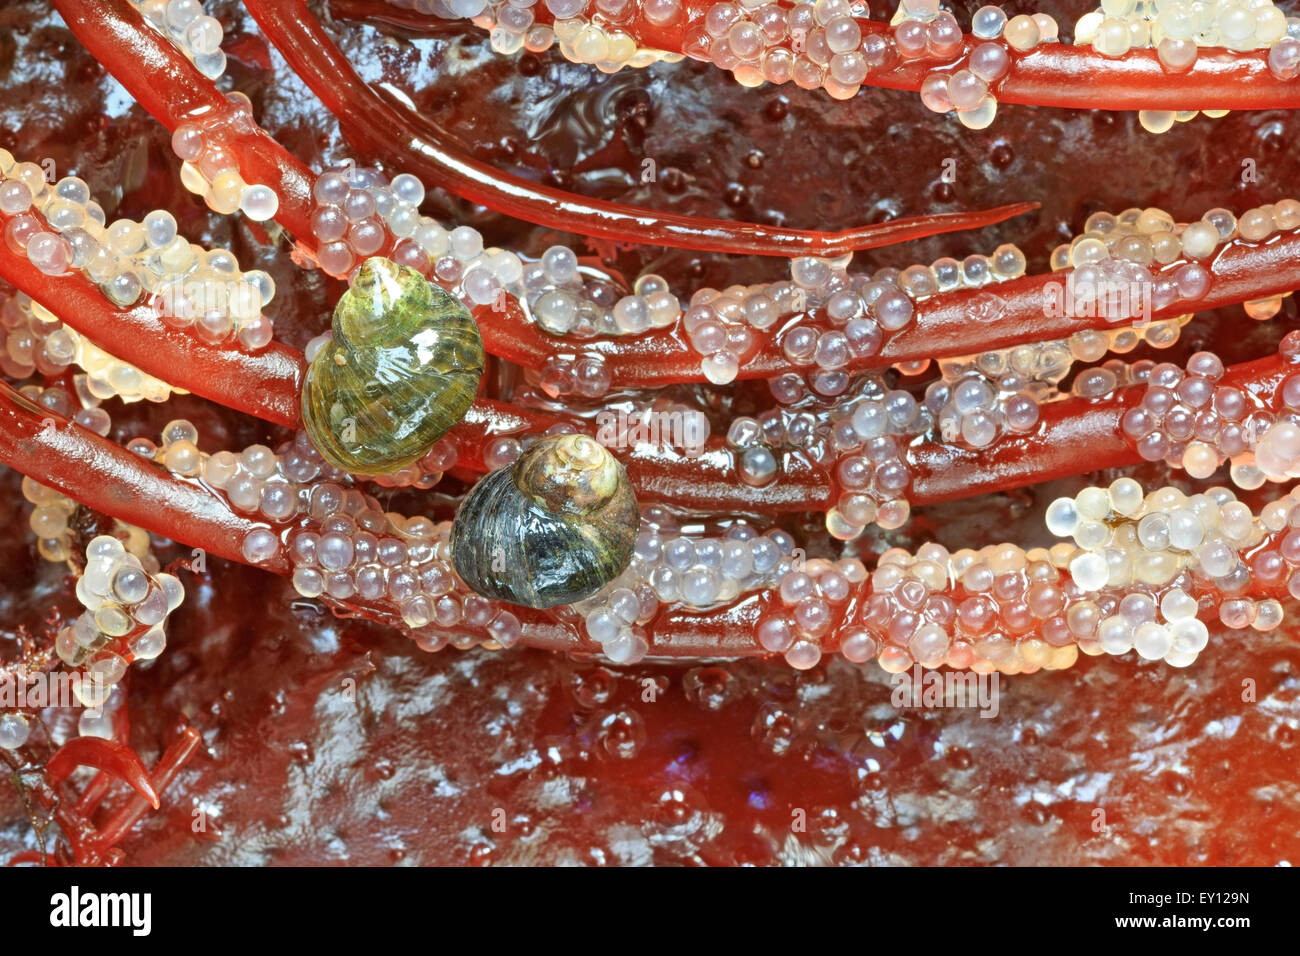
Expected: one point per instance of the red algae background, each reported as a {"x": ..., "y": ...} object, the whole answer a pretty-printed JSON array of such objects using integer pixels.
[{"x": 331, "y": 741}]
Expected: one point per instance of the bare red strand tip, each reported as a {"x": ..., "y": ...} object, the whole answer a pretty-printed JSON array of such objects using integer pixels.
[
  {"x": 374, "y": 127},
  {"x": 171, "y": 763},
  {"x": 106, "y": 755}
]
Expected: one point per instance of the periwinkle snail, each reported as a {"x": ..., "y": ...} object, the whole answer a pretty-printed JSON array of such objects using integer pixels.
[
  {"x": 403, "y": 368},
  {"x": 553, "y": 528}
]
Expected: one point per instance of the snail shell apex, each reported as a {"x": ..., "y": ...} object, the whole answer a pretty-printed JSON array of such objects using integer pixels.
[
  {"x": 403, "y": 368},
  {"x": 553, "y": 528}
]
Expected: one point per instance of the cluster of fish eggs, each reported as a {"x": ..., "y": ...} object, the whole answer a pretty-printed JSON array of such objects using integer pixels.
[
  {"x": 1274, "y": 566},
  {"x": 33, "y": 339},
  {"x": 276, "y": 484},
  {"x": 810, "y": 602},
  {"x": 1000, "y": 608},
  {"x": 1090, "y": 345},
  {"x": 359, "y": 211},
  {"x": 590, "y": 33},
  {"x": 127, "y": 259},
  {"x": 975, "y": 406},
  {"x": 1148, "y": 544},
  {"x": 126, "y": 605},
  {"x": 192, "y": 31},
  {"x": 257, "y": 480},
  {"x": 852, "y": 314},
  {"x": 348, "y": 547},
  {"x": 974, "y": 272},
  {"x": 660, "y": 423},
  {"x": 971, "y": 89},
  {"x": 1177, "y": 28},
  {"x": 1119, "y": 269},
  {"x": 585, "y": 32},
  {"x": 1150, "y": 238},
  {"x": 564, "y": 301},
  {"x": 813, "y": 45},
  {"x": 209, "y": 167},
  {"x": 1158, "y": 625},
  {"x": 1276, "y": 454},
  {"x": 1190, "y": 421},
  {"x": 669, "y": 567},
  {"x": 861, "y": 438},
  {"x": 869, "y": 438},
  {"x": 859, "y": 309},
  {"x": 51, "y": 509},
  {"x": 574, "y": 374},
  {"x": 979, "y": 398}
]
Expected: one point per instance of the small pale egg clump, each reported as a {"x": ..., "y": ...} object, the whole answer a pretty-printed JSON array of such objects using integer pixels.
[
  {"x": 1154, "y": 549},
  {"x": 341, "y": 543},
  {"x": 997, "y": 609},
  {"x": 582, "y": 303},
  {"x": 809, "y": 603},
  {"x": 567, "y": 299},
  {"x": 848, "y": 317},
  {"x": 33, "y": 339},
  {"x": 860, "y": 439},
  {"x": 186, "y": 285},
  {"x": 670, "y": 567},
  {"x": 127, "y": 605},
  {"x": 210, "y": 167},
  {"x": 586, "y": 32},
  {"x": 970, "y": 88},
  {"x": 190, "y": 30},
  {"x": 1131, "y": 261},
  {"x": 52, "y": 510},
  {"x": 1192, "y": 421},
  {"x": 346, "y": 548},
  {"x": 1178, "y": 29},
  {"x": 870, "y": 431}
]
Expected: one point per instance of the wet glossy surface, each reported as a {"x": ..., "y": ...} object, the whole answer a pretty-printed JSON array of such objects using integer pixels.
[{"x": 329, "y": 741}]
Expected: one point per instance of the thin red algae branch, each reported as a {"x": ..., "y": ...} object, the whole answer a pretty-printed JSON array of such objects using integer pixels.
[
  {"x": 167, "y": 85},
  {"x": 1052, "y": 74},
  {"x": 169, "y": 766},
  {"x": 72, "y": 823},
  {"x": 1077, "y": 77},
  {"x": 107, "y": 756},
  {"x": 94, "y": 793},
  {"x": 1073, "y": 434},
  {"x": 264, "y": 383},
  {"x": 102, "y": 475},
  {"x": 374, "y": 127},
  {"x": 960, "y": 322},
  {"x": 707, "y": 481},
  {"x": 1241, "y": 271}
]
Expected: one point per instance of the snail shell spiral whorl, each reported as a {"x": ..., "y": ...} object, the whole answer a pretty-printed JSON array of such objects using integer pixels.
[
  {"x": 553, "y": 528},
  {"x": 403, "y": 368}
]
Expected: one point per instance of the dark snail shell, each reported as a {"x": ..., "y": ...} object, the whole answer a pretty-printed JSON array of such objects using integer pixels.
[
  {"x": 553, "y": 528},
  {"x": 403, "y": 368}
]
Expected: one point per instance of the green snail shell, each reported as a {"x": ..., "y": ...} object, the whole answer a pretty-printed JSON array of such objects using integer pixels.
[
  {"x": 553, "y": 528},
  {"x": 403, "y": 368}
]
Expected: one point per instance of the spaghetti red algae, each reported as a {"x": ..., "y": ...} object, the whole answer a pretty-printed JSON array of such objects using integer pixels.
[{"x": 954, "y": 546}]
